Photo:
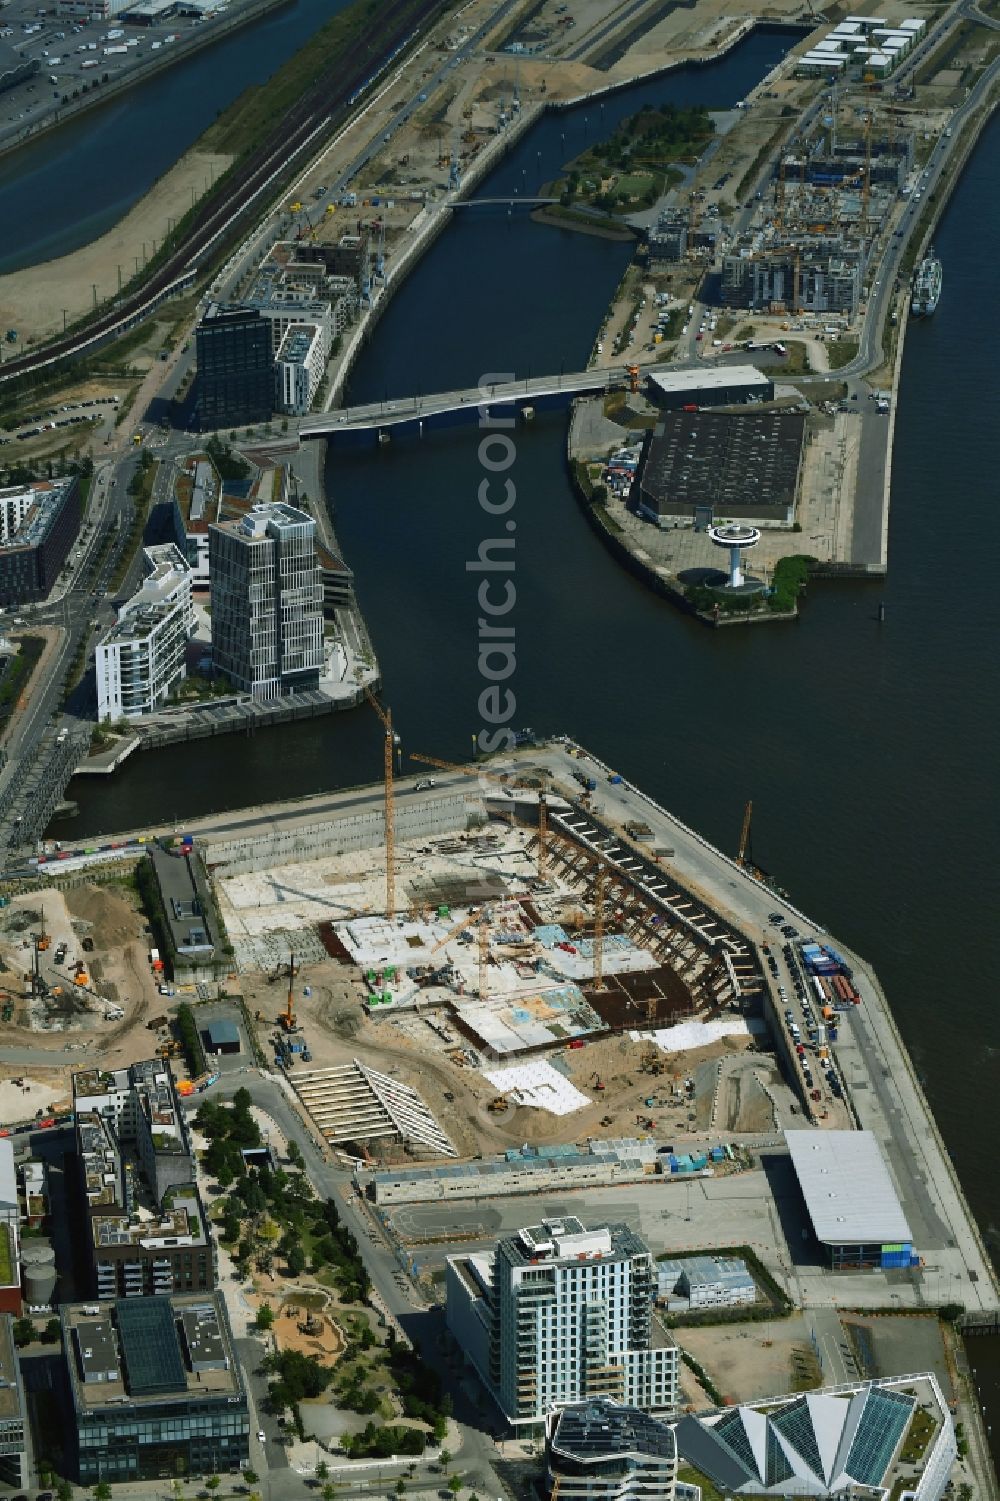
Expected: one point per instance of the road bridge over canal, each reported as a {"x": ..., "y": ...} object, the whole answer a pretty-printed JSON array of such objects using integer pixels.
[{"x": 446, "y": 407}]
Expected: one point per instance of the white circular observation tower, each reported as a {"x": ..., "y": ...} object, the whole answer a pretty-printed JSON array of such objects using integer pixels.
[{"x": 736, "y": 539}]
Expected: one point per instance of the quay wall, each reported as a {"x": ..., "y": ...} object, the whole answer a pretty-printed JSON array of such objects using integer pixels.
[
  {"x": 434, "y": 819},
  {"x": 142, "y": 69},
  {"x": 619, "y": 549},
  {"x": 439, "y": 216}
]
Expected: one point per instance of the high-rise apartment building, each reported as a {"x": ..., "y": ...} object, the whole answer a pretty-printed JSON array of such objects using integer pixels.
[
  {"x": 144, "y": 656},
  {"x": 561, "y": 1314},
  {"x": 267, "y": 601}
]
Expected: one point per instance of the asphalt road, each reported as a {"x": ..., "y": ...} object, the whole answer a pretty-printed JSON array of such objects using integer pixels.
[{"x": 475, "y": 1454}]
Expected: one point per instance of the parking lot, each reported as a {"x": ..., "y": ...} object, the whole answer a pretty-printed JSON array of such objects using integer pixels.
[
  {"x": 74, "y": 53},
  {"x": 812, "y": 1034}
]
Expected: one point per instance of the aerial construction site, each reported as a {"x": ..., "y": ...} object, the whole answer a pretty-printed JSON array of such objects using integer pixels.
[{"x": 507, "y": 965}]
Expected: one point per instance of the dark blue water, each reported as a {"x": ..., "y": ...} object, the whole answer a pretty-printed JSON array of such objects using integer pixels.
[
  {"x": 75, "y": 183},
  {"x": 869, "y": 752}
]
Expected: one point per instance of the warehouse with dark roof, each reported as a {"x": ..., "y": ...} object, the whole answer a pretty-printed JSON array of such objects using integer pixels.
[{"x": 700, "y": 466}]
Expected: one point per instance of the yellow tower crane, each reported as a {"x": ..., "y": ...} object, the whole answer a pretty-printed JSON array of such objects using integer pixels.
[
  {"x": 460, "y": 927},
  {"x": 484, "y": 951},
  {"x": 391, "y": 742}
]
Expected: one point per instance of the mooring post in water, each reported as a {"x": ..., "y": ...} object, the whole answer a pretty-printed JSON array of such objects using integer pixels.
[{"x": 881, "y": 611}]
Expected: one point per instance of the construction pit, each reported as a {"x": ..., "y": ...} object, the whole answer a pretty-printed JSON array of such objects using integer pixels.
[
  {"x": 489, "y": 1010},
  {"x": 75, "y": 963}
]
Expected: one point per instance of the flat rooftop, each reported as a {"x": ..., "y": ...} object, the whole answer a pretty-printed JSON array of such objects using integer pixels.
[
  {"x": 846, "y": 1185},
  {"x": 596, "y": 1429},
  {"x": 156, "y": 596},
  {"x": 566, "y": 1239},
  {"x": 710, "y": 379},
  {"x": 180, "y": 1225},
  {"x": 143, "y": 1351},
  {"x": 47, "y": 501},
  {"x": 298, "y": 341},
  {"x": 185, "y": 900},
  {"x": 737, "y": 460}
]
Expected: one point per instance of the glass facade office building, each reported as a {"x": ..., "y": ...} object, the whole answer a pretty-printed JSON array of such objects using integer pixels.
[
  {"x": 235, "y": 367},
  {"x": 157, "y": 1391}
]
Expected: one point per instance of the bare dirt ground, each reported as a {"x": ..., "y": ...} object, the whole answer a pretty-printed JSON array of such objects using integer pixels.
[
  {"x": 338, "y": 1030},
  {"x": 33, "y": 300},
  {"x": 747, "y": 1361},
  {"x": 117, "y": 971}
]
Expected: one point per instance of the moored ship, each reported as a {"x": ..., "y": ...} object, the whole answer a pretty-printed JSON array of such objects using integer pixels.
[{"x": 926, "y": 286}]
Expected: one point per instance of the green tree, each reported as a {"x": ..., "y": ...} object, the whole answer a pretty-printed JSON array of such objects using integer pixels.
[
  {"x": 250, "y": 1477},
  {"x": 329, "y": 1491},
  {"x": 102, "y": 1491},
  {"x": 64, "y": 1490},
  {"x": 52, "y": 1331},
  {"x": 445, "y": 1458},
  {"x": 212, "y": 1483},
  {"x": 455, "y": 1484},
  {"x": 24, "y": 1332},
  {"x": 322, "y": 1470},
  {"x": 296, "y": 1259},
  {"x": 400, "y": 1486},
  {"x": 295, "y": 1154},
  {"x": 265, "y": 1317}
]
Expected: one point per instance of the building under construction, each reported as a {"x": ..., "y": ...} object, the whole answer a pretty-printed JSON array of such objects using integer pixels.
[{"x": 823, "y": 278}]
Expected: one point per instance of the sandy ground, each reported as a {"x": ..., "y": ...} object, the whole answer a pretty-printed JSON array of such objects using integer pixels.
[
  {"x": 747, "y": 1360},
  {"x": 337, "y": 1031},
  {"x": 33, "y": 300},
  {"x": 21, "y": 1100},
  {"x": 117, "y": 970}
]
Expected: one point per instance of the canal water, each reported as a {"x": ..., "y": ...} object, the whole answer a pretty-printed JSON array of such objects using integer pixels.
[
  {"x": 869, "y": 750},
  {"x": 73, "y": 184}
]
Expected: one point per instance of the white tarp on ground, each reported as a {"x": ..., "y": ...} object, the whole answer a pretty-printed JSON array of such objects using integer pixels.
[
  {"x": 539, "y": 1085},
  {"x": 685, "y": 1036}
]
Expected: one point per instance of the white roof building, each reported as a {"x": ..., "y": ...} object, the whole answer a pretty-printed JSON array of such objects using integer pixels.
[{"x": 849, "y": 1194}]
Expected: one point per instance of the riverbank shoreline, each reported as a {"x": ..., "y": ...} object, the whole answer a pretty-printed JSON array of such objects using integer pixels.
[{"x": 142, "y": 70}]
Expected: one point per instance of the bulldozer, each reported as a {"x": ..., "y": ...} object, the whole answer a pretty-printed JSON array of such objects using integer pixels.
[
  {"x": 498, "y": 1106},
  {"x": 597, "y": 1082}
]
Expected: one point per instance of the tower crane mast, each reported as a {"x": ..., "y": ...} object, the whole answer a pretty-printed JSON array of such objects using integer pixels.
[{"x": 389, "y": 754}]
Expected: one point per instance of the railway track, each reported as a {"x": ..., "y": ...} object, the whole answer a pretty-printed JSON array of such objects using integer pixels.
[{"x": 324, "y": 105}]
